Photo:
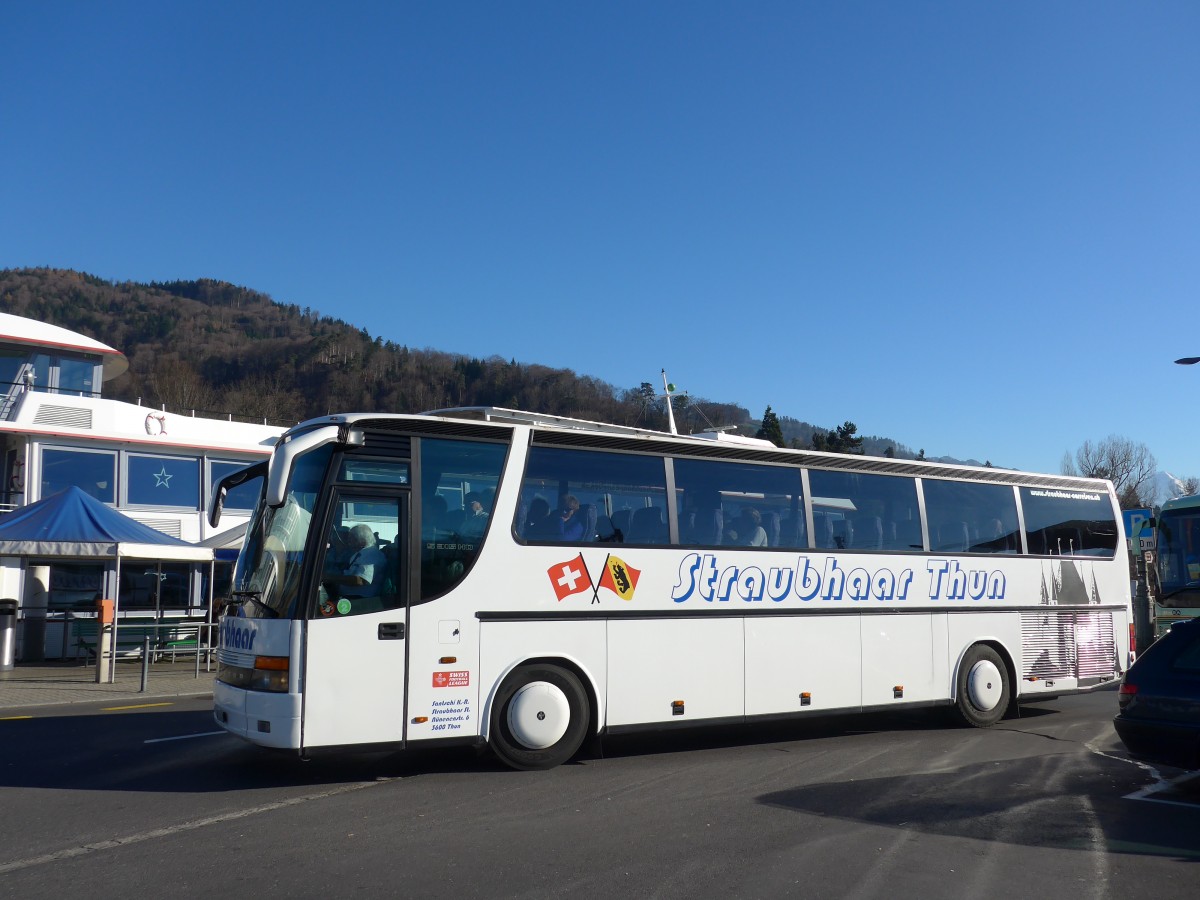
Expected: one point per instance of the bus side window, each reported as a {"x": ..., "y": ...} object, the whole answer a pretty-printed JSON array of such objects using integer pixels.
[
  {"x": 1079, "y": 523},
  {"x": 602, "y": 488}
]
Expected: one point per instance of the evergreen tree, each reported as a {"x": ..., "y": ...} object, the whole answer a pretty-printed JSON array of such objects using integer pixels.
[
  {"x": 843, "y": 439},
  {"x": 770, "y": 429}
]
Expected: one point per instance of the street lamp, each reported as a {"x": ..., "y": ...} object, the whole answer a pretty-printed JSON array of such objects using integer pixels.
[{"x": 1188, "y": 361}]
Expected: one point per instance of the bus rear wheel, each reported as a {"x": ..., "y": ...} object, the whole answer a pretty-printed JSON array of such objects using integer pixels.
[
  {"x": 984, "y": 691},
  {"x": 540, "y": 717}
]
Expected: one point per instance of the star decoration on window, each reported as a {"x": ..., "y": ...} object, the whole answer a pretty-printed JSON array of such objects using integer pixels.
[{"x": 162, "y": 479}]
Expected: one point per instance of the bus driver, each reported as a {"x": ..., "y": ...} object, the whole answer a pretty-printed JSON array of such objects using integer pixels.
[{"x": 363, "y": 573}]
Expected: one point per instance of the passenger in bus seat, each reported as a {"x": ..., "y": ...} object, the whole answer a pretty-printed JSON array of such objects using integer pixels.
[
  {"x": 570, "y": 522},
  {"x": 538, "y": 521},
  {"x": 749, "y": 530}
]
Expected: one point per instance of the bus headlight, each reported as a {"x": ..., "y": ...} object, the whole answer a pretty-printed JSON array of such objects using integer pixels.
[{"x": 270, "y": 673}]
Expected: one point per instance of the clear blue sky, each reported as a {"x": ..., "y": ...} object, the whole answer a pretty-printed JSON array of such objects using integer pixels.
[{"x": 972, "y": 228}]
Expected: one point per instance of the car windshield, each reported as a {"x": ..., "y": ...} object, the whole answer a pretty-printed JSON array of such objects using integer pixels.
[
  {"x": 1178, "y": 549},
  {"x": 267, "y": 577}
]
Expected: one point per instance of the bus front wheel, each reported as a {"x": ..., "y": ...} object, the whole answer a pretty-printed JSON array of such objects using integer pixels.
[
  {"x": 984, "y": 691},
  {"x": 540, "y": 717}
]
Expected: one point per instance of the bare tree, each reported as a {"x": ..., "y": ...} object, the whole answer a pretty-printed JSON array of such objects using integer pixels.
[
  {"x": 1130, "y": 466},
  {"x": 176, "y": 384}
]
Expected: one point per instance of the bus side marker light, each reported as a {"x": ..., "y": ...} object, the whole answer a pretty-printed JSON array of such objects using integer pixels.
[
  {"x": 264, "y": 726},
  {"x": 447, "y": 660},
  {"x": 677, "y": 707},
  {"x": 806, "y": 699},
  {"x": 898, "y": 692},
  {"x": 420, "y": 720}
]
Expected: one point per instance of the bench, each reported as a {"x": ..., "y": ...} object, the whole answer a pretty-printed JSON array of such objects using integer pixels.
[
  {"x": 183, "y": 638},
  {"x": 130, "y": 636}
]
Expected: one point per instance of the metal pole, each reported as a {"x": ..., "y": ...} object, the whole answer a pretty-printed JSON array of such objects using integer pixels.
[
  {"x": 145, "y": 662},
  {"x": 1143, "y": 628},
  {"x": 670, "y": 410}
]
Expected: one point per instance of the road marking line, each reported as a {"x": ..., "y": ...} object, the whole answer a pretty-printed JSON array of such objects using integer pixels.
[
  {"x": 13, "y": 718},
  {"x": 75, "y": 852},
  {"x": 182, "y": 737},
  {"x": 137, "y": 706}
]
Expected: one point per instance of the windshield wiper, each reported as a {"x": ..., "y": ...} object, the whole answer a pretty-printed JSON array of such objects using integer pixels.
[{"x": 255, "y": 597}]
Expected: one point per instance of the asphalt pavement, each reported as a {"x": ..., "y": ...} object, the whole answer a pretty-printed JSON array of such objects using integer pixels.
[{"x": 49, "y": 684}]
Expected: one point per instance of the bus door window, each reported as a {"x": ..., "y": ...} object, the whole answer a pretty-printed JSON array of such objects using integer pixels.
[{"x": 363, "y": 565}]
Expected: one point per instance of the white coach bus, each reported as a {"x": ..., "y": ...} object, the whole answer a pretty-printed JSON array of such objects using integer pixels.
[{"x": 528, "y": 582}]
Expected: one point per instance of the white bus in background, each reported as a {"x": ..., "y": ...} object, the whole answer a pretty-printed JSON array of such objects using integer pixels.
[{"x": 541, "y": 581}]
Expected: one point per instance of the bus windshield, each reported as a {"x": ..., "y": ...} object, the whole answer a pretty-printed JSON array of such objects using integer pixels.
[
  {"x": 1178, "y": 548},
  {"x": 267, "y": 578}
]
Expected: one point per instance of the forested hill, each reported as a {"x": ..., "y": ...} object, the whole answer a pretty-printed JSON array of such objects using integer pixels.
[{"x": 218, "y": 348}]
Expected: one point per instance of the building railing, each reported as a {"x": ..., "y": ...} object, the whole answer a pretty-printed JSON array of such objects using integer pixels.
[
  {"x": 12, "y": 391},
  {"x": 132, "y": 638}
]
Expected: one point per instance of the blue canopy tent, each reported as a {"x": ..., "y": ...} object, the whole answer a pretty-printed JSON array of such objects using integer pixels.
[{"x": 73, "y": 525}]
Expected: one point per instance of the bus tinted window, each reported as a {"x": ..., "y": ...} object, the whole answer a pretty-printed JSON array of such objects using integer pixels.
[
  {"x": 458, "y": 487},
  {"x": 587, "y": 496},
  {"x": 864, "y": 512},
  {"x": 721, "y": 503},
  {"x": 378, "y": 471},
  {"x": 970, "y": 517},
  {"x": 1069, "y": 523}
]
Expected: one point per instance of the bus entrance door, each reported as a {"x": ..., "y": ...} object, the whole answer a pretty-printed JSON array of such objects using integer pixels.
[{"x": 355, "y": 641}]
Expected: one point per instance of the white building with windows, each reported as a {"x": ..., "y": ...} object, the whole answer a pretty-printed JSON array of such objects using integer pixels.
[{"x": 154, "y": 465}]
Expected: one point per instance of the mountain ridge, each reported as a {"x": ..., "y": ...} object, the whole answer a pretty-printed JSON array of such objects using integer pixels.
[{"x": 205, "y": 344}]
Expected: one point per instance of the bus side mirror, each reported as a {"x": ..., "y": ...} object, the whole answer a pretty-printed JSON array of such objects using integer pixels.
[
  {"x": 217, "y": 504},
  {"x": 233, "y": 479}
]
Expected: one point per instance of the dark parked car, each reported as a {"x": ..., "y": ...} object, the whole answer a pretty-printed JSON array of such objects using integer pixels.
[{"x": 1160, "y": 699}]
